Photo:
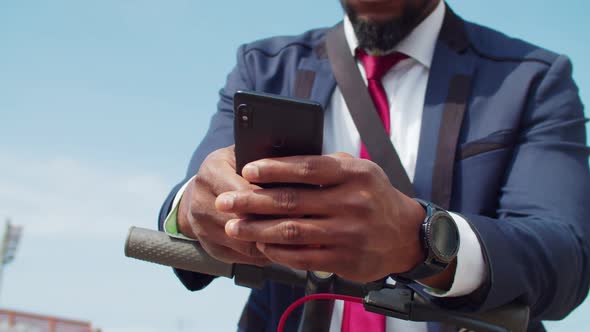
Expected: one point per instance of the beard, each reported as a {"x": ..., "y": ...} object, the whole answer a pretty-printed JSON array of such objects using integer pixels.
[{"x": 384, "y": 36}]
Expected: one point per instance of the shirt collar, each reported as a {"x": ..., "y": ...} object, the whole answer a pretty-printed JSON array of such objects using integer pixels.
[{"x": 419, "y": 44}]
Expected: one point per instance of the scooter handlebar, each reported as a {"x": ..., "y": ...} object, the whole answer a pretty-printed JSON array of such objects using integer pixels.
[{"x": 158, "y": 247}]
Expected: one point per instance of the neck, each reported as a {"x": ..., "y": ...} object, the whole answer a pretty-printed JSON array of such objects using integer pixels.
[{"x": 428, "y": 10}]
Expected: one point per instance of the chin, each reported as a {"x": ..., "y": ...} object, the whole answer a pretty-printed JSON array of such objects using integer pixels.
[
  {"x": 374, "y": 11},
  {"x": 377, "y": 17}
]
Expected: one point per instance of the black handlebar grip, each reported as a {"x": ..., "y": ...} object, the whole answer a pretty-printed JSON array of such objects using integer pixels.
[
  {"x": 157, "y": 247},
  {"x": 514, "y": 316}
]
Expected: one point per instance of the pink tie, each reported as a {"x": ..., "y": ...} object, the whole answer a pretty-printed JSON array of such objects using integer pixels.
[
  {"x": 376, "y": 67},
  {"x": 355, "y": 318}
]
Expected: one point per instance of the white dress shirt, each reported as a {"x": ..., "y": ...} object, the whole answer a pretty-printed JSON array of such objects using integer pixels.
[{"x": 405, "y": 86}]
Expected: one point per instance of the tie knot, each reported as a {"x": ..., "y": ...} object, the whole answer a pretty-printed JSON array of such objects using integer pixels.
[{"x": 376, "y": 66}]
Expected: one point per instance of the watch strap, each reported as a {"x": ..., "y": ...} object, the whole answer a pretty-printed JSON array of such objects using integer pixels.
[{"x": 423, "y": 270}]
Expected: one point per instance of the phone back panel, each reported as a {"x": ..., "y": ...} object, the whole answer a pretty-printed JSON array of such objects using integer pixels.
[{"x": 267, "y": 126}]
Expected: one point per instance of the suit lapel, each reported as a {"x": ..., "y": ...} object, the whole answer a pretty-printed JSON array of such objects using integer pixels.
[
  {"x": 314, "y": 79},
  {"x": 447, "y": 93}
]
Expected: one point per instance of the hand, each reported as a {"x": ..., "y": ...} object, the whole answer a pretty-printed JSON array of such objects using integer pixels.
[
  {"x": 198, "y": 218},
  {"x": 356, "y": 223}
]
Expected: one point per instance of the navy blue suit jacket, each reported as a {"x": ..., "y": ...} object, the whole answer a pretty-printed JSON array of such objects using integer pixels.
[{"x": 502, "y": 142}]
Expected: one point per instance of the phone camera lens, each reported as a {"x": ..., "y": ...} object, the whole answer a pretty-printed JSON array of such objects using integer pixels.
[{"x": 245, "y": 116}]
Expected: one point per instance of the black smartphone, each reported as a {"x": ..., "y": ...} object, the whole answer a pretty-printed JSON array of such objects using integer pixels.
[{"x": 267, "y": 125}]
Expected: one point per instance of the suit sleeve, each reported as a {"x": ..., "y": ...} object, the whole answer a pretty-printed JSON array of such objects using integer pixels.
[
  {"x": 219, "y": 135},
  {"x": 537, "y": 250}
]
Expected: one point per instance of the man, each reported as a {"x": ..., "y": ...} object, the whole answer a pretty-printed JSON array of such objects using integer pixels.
[{"x": 487, "y": 127}]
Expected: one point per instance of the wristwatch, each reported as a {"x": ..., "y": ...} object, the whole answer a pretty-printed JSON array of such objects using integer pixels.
[{"x": 440, "y": 239}]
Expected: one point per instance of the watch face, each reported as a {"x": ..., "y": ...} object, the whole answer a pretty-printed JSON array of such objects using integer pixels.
[{"x": 444, "y": 236}]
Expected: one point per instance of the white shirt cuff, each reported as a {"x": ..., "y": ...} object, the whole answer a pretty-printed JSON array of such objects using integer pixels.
[{"x": 471, "y": 267}]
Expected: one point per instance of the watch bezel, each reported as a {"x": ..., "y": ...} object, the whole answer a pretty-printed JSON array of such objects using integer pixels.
[
  {"x": 435, "y": 261},
  {"x": 429, "y": 223}
]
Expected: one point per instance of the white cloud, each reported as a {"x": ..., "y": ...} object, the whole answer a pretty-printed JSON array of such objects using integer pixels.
[
  {"x": 62, "y": 196},
  {"x": 71, "y": 264}
]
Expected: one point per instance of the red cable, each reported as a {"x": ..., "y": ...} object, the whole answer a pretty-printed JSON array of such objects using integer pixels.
[{"x": 322, "y": 296}]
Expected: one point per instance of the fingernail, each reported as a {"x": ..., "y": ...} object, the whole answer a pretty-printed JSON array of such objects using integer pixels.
[
  {"x": 226, "y": 201},
  {"x": 231, "y": 228},
  {"x": 250, "y": 171}
]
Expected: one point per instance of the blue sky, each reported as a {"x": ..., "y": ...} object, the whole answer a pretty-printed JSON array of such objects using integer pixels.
[{"x": 101, "y": 105}]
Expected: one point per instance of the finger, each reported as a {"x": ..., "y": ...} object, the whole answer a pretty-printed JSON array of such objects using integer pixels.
[
  {"x": 341, "y": 155},
  {"x": 220, "y": 178},
  {"x": 208, "y": 232},
  {"x": 304, "y": 258},
  {"x": 218, "y": 173},
  {"x": 230, "y": 256},
  {"x": 202, "y": 211},
  {"x": 246, "y": 248},
  {"x": 335, "y": 201},
  {"x": 281, "y": 201},
  {"x": 315, "y": 170},
  {"x": 294, "y": 231}
]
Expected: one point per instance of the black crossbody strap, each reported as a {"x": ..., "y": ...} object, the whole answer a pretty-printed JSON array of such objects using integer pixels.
[{"x": 363, "y": 111}]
